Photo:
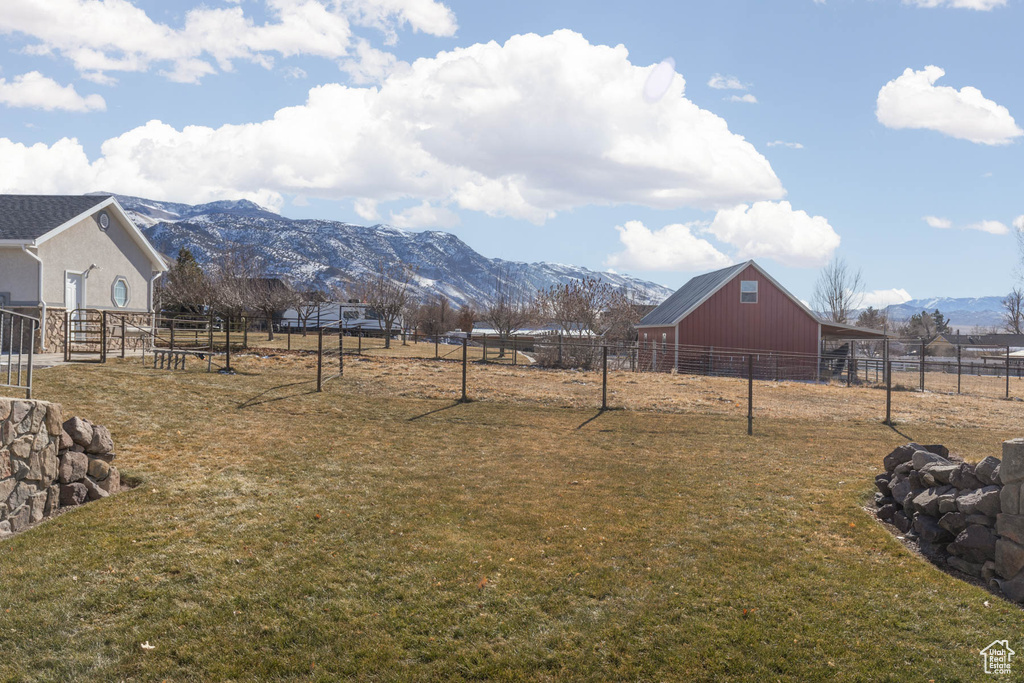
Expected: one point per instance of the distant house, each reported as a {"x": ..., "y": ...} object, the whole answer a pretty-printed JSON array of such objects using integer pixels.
[
  {"x": 946, "y": 344},
  {"x": 740, "y": 308},
  {"x": 65, "y": 253}
]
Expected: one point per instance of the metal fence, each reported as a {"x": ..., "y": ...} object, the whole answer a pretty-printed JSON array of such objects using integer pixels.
[{"x": 17, "y": 342}]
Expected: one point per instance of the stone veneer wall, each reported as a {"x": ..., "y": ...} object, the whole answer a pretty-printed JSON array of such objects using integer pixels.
[
  {"x": 969, "y": 517},
  {"x": 135, "y": 339},
  {"x": 46, "y": 464}
]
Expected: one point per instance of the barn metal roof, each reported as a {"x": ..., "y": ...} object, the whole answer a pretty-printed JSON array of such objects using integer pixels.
[
  {"x": 30, "y": 216},
  {"x": 689, "y": 296}
]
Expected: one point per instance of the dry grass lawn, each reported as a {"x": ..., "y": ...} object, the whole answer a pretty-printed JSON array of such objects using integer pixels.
[{"x": 382, "y": 531}]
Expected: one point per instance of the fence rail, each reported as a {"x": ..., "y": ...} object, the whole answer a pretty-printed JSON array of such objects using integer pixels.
[{"x": 17, "y": 343}]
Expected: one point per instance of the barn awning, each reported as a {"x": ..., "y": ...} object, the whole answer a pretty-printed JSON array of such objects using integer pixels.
[{"x": 839, "y": 331}]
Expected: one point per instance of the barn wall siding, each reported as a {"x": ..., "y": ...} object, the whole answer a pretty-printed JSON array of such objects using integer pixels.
[{"x": 774, "y": 323}]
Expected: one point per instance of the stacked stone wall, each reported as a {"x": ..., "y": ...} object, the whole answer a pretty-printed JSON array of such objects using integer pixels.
[
  {"x": 46, "y": 464},
  {"x": 966, "y": 516}
]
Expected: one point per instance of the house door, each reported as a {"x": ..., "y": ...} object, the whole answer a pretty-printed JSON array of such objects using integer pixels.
[{"x": 73, "y": 286}]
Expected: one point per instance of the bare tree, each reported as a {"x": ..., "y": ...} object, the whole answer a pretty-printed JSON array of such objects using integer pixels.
[
  {"x": 465, "y": 317},
  {"x": 621, "y": 316},
  {"x": 386, "y": 290},
  {"x": 271, "y": 297},
  {"x": 513, "y": 305},
  {"x": 234, "y": 279},
  {"x": 1013, "y": 315},
  {"x": 576, "y": 306},
  {"x": 436, "y": 316},
  {"x": 838, "y": 292},
  {"x": 309, "y": 302}
]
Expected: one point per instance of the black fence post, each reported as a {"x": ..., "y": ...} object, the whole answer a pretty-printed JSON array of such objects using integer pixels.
[
  {"x": 288, "y": 334},
  {"x": 958, "y": 367},
  {"x": 245, "y": 332},
  {"x": 320, "y": 359},
  {"x": 67, "y": 336},
  {"x": 227, "y": 341},
  {"x": 123, "y": 336},
  {"x": 465, "y": 346},
  {"x": 485, "y": 349},
  {"x": 888, "y": 393},
  {"x": 559, "y": 349},
  {"x": 359, "y": 350},
  {"x": 1007, "y": 372},
  {"x": 515, "y": 350},
  {"x": 849, "y": 363},
  {"x": 172, "y": 334},
  {"x": 604, "y": 378},
  {"x": 341, "y": 353},
  {"x": 437, "y": 342},
  {"x": 103, "y": 336},
  {"x": 750, "y": 394},
  {"x": 922, "y": 364}
]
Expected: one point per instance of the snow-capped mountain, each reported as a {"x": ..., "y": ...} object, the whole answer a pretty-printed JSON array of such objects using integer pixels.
[
  {"x": 332, "y": 253},
  {"x": 965, "y": 313}
]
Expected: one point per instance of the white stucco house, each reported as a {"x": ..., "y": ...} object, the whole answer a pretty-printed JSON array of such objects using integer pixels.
[{"x": 63, "y": 253}]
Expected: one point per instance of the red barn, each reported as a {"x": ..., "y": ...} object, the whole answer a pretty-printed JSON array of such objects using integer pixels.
[{"x": 737, "y": 310}]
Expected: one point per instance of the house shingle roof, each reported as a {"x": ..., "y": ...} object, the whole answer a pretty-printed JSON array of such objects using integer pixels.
[
  {"x": 689, "y": 295},
  {"x": 30, "y": 216}
]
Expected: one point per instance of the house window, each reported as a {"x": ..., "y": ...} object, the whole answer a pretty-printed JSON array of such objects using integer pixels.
[
  {"x": 748, "y": 291},
  {"x": 120, "y": 293},
  {"x": 5, "y": 299}
]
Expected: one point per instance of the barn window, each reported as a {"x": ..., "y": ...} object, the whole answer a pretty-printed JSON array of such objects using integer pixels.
[
  {"x": 748, "y": 291},
  {"x": 664, "y": 337}
]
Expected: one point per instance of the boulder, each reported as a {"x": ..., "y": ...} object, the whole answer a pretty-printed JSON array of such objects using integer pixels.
[
  {"x": 54, "y": 419},
  {"x": 98, "y": 469},
  {"x": 1014, "y": 588},
  {"x": 901, "y": 522},
  {"x": 101, "y": 441},
  {"x": 927, "y": 502},
  {"x": 52, "y": 500},
  {"x": 922, "y": 458},
  {"x": 73, "y": 494},
  {"x": 953, "y": 522},
  {"x": 5, "y": 408},
  {"x": 988, "y": 571},
  {"x": 93, "y": 490},
  {"x": 976, "y": 544},
  {"x": 22, "y": 448},
  {"x": 904, "y": 469},
  {"x": 1009, "y": 498},
  {"x": 1011, "y": 527},
  {"x": 37, "y": 506},
  {"x": 20, "y": 518},
  {"x": 916, "y": 481},
  {"x": 1009, "y": 558},
  {"x": 984, "y": 500},
  {"x": 112, "y": 484},
  {"x": 65, "y": 440},
  {"x": 5, "y": 463},
  {"x": 19, "y": 469},
  {"x": 5, "y": 529},
  {"x": 930, "y": 531},
  {"x": 983, "y": 520},
  {"x": 899, "y": 456},
  {"x": 80, "y": 431},
  {"x": 947, "y": 503},
  {"x": 73, "y": 467},
  {"x": 908, "y": 502},
  {"x": 936, "y": 552},
  {"x": 939, "y": 473},
  {"x": 882, "y": 484},
  {"x": 22, "y": 492},
  {"x": 19, "y": 411},
  {"x": 971, "y": 568},
  {"x": 937, "y": 449},
  {"x": 988, "y": 471},
  {"x": 900, "y": 488},
  {"x": 7, "y": 487},
  {"x": 886, "y": 512},
  {"x": 963, "y": 477}
]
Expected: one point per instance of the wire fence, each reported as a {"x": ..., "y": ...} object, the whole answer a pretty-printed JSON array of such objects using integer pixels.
[
  {"x": 17, "y": 342},
  {"x": 893, "y": 365}
]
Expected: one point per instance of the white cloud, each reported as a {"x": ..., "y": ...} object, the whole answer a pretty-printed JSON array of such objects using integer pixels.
[
  {"x": 991, "y": 227},
  {"x": 720, "y": 82},
  {"x": 982, "y": 5},
  {"x": 774, "y": 230},
  {"x": 748, "y": 98},
  {"x": 1018, "y": 223},
  {"x": 101, "y": 36},
  {"x": 525, "y": 129},
  {"x": 367, "y": 209},
  {"x": 880, "y": 298},
  {"x": 36, "y": 91},
  {"x": 783, "y": 143},
  {"x": 914, "y": 101},
  {"x": 936, "y": 222},
  {"x": 425, "y": 216},
  {"x": 674, "y": 247}
]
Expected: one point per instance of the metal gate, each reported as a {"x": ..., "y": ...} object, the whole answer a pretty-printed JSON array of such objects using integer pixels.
[{"x": 17, "y": 341}]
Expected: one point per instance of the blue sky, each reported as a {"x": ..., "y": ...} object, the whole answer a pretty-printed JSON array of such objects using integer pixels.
[{"x": 792, "y": 132}]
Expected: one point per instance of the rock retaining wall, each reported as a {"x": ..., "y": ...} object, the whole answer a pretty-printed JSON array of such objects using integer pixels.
[
  {"x": 46, "y": 464},
  {"x": 966, "y": 516}
]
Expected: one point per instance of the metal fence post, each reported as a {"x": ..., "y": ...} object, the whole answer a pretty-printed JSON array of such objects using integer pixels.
[
  {"x": 227, "y": 341},
  {"x": 604, "y": 379},
  {"x": 123, "y": 336},
  {"x": 103, "y": 336},
  {"x": 750, "y": 394},
  {"x": 172, "y": 333},
  {"x": 245, "y": 332},
  {"x": 320, "y": 360},
  {"x": 559, "y": 348},
  {"x": 958, "y": 367},
  {"x": 1007, "y": 372},
  {"x": 359, "y": 350},
  {"x": 341, "y": 353},
  {"x": 67, "y": 336},
  {"x": 888, "y": 393},
  {"x": 849, "y": 363},
  {"x": 31, "y": 349},
  {"x": 922, "y": 364},
  {"x": 464, "y": 398}
]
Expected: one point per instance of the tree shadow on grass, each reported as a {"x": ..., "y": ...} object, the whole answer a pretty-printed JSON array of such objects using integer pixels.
[{"x": 259, "y": 399}]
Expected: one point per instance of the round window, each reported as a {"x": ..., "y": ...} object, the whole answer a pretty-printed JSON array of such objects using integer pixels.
[
  {"x": 104, "y": 220},
  {"x": 120, "y": 293}
]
